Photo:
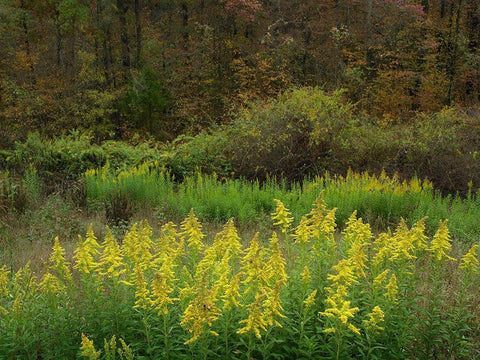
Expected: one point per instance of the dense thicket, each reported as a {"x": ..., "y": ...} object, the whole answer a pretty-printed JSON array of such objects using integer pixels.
[{"x": 162, "y": 66}]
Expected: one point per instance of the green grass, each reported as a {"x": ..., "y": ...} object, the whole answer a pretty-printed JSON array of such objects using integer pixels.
[{"x": 380, "y": 200}]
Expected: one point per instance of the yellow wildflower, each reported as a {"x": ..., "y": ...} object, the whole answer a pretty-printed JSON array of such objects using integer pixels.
[
  {"x": 84, "y": 254},
  {"x": 282, "y": 216},
  {"x": 200, "y": 313},
  {"x": 4, "y": 276},
  {"x": 380, "y": 279},
  {"x": 441, "y": 243},
  {"x": 253, "y": 268},
  {"x": 404, "y": 241},
  {"x": 303, "y": 232},
  {"x": 88, "y": 349},
  {"x": 231, "y": 239},
  {"x": 276, "y": 262},
  {"x": 58, "y": 262},
  {"x": 192, "y": 231},
  {"x": 346, "y": 273},
  {"x": 142, "y": 294},
  {"x": 470, "y": 260},
  {"x": 255, "y": 320},
  {"x": 306, "y": 277},
  {"x": 310, "y": 300},
  {"x": 232, "y": 293},
  {"x": 161, "y": 288},
  {"x": 272, "y": 305},
  {"x": 392, "y": 288},
  {"x": 375, "y": 318},
  {"x": 418, "y": 234},
  {"x": 111, "y": 260},
  {"x": 50, "y": 284}
]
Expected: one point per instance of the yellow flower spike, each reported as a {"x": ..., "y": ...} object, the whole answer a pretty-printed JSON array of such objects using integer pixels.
[
  {"x": 84, "y": 254},
  {"x": 282, "y": 216},
  {"x": 375, "y": 318},
  {"x": 380, "y": 279},
  {"x": 469, "y": 262},
  {"x": 130, "y": 241},
  {"x": 346, "y": 273},
  {"x": 4, "y": 277},
  {"x": 272, "y": 306},
  {"x": 111, "y": 260},
  {"x": 161, "y": 287},
  {"x": 255, "y": 320},
  {"x": 303, "y": 232},
  {"x": 168, "y": 239},
  {"x": 192, "y": 232},
  {"x": 253, "y": 267},
  {"x": 404, "y": 241},
  {"x": 418, "y": 234},
  {"x": 50, "y": 284},
  {"x": 232, "y": 293},
  {"x": 310, "y": 300},
  {"x": 441, "y": 243},
  {"x": 306, "y": 277},
  {"x": 356, "y": 230},
  {"x": 59, "y": 264},
  {"x": 276, "y": 262},
  {"x": 230, "y": 239},
  {"x": 200, "y": 313},
  {"x": 142, "y": 294},
  {"x": 88, "y": 349},
  {"x": 358, "y": 256},
  {"x": 392, "y": 289}
]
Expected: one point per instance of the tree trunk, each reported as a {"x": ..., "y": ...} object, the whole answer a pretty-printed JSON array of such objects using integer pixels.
[
  {"x": 369, "y": 57},
  {"x": 122, "y": 8},
  {"x": 138, "y": 32}
]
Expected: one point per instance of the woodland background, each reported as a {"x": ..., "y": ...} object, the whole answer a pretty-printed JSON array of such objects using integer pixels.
[{"x": 403, "y": 74}]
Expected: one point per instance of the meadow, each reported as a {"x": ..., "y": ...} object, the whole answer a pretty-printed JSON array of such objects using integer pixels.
[{"x": 298, "y": 292}]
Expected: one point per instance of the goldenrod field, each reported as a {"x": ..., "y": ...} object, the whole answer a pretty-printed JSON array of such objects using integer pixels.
[{"x": 301, "y": 292}]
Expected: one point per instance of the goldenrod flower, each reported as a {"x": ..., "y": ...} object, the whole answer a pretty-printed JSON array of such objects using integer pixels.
[
  {"x": 418, "y": 234},
  {"x": 142, "y": 294},
  {"x": 272, "y": 306},
  {"x": 50, "y": 284},
  {"x": 375, "y": 318},
  {"x": 255, "y": 320},
  {"x": 58, "y": 262},
  {"x": 303, "y": 232},
  {"x": 4, "y": 275},
  {"x": 470, "y": 260},
  {"x": 200, "y": 313},
  {"x": 276, "y": 262},
  {"x": 282, "y": 216},
  {"x": 392, "y": 288},
  {"x": 441, "y": 243},
  {"x": 380, "y": 279},
  {"x": 404, "y": 241},
  {"x": 232, "y": 293},
  {"x": 346, "y": 273},
  {"x": 339, "y": 309},
  {"x": 306, "y": 278},
  {"x": 88, "y": 349},
  {"x": 138, "y": 245},
  {"x": 111, "y": 260},
  {"x": 161, "y": 288},
  {"x": 192, "y": 232},
  {"x": 254, "y": 268},
  {"x": 84, "y": 254},
  {"x": 310, "y": 300}
]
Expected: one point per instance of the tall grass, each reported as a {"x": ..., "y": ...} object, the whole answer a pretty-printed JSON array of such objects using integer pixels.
[{"x": 380, "y": 200}]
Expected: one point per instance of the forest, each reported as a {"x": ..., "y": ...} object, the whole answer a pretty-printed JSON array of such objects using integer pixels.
[{"x": 239, "y": 179}]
